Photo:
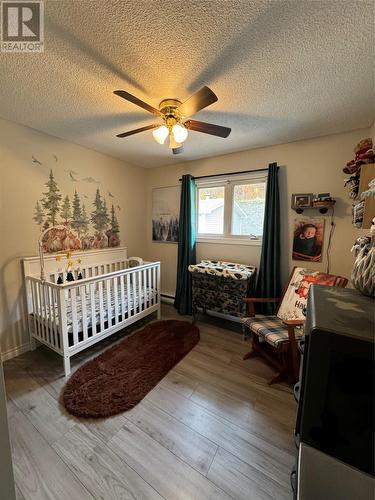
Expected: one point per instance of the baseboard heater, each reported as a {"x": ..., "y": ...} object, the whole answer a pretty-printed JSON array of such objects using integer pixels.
[{"x": 169, "y": 299}]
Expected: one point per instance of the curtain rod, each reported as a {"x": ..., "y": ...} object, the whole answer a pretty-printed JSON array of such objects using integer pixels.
[{"x": 230, "y": 173}]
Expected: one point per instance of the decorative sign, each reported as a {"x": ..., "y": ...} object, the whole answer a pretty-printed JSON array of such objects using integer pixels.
[{"x": 294, "y": 303}]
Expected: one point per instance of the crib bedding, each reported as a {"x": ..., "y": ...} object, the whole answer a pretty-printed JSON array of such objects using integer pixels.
[{"x": 135, "y": 301}]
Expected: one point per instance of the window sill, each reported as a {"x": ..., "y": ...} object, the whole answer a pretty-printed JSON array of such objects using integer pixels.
[{"x": 229, "y": 241}]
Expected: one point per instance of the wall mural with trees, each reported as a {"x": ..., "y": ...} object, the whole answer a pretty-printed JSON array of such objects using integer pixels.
[{"x": 86, "y": 224}]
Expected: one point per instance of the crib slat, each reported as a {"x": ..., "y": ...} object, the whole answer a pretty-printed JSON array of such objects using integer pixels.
[
  {"x": 158, "y": 288},
  {"x": 53, "y": 318},
  {"x": 149, "y": 288},
  {"x": 139, "y": 291},
  {"x": 115, "y": 292},
  {"x": 101, "y": 305},
  {"x": 42, "y": 311},
  {"x": 134, "y": 280},
  {"x": 34, "y": 296},
  {"x": 39, "y": 305},
  {"x": 128, "y": 295},
  {"x": 122, "y": 291},
  {"x": 144, "y": 289},
  {"x": 82, "y": 290},
  {"x": 154, "y": 285},
  {"x": 48, "y": 313},
  {"x": 93, "y": 308},
  {"x": 73, "y": 301},
  {"x": 108, "y": 295}
]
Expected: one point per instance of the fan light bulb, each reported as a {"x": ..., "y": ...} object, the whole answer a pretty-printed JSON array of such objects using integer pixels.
[
  {"x": 180, "y": 133},
  {"x": 173, "y": 144},
  {"x": 160, "y": 134}
]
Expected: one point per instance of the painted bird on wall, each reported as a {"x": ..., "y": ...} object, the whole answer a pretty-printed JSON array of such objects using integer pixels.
[{"x": 34, "y": 160}]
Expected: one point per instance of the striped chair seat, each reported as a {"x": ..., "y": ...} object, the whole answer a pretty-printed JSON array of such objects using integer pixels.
[{"x": 271, "y": 329}]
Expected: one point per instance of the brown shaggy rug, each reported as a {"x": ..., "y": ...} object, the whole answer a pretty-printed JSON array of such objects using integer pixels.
[{"x": 120, "y": 377}]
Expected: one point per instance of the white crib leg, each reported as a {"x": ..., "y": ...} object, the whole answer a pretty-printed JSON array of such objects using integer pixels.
[
  {"x": 67, "y": 365},
  {"x": 33, "y": 345},
  {"x": 159, "y": 312}
]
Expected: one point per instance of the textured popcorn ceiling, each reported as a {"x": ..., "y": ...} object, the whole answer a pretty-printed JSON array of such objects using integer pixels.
[{"x": 282, "y": 70}]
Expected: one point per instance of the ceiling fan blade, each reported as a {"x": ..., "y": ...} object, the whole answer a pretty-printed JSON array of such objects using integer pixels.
[
  {"x": 137, "y": 130},
  {"x": 138, "y": 102},
  {"x": 177, "y": 151},
  {"x": 201, "y": 99},
  {"x": 208, "y": 128}
]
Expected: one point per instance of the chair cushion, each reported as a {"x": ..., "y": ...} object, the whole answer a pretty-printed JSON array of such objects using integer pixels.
[{"x": 271, "y": 329}]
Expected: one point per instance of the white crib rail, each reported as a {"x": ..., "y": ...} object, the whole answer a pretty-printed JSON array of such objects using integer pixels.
[{"x": 97, "y": 306}]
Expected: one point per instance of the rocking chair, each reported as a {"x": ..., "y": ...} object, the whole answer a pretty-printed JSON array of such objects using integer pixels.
[{"x": 276, "y": 338}]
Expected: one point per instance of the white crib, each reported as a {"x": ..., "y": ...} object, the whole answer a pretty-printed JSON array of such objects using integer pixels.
[{"x": 71, "y": 317}]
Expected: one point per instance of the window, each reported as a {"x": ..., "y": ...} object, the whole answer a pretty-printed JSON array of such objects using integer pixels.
[
  {"x": 231, "y": 209},
  {"x": 211, "y": 210}
]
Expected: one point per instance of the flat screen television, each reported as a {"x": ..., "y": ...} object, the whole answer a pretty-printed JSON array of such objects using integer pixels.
[{"x": 336, "y": 407}]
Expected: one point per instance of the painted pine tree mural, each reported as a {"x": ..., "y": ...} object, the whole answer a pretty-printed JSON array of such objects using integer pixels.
[
  {"x": 99, "y": 216},
  {"x": 51, "y": 200},
  {"x": 84, "y": 220},
  {"x": 38, "y": 215},
  {"x": 54, "y": 208},
  {"x": 66, "y": 210},
  {"x": 115, "y": 229},
  {"x": 77, "y": 213}
]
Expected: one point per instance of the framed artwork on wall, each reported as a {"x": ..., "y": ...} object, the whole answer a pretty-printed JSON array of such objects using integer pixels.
[
  {"x": 165, "y": 213},
  {"x": 308, "y": 238},
  {"x": 302, "y": 200}
]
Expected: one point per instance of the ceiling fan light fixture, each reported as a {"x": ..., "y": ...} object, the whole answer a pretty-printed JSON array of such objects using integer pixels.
[
  {"x": 180, "y": 133},
  {"x": 173, "y": 144},
  {"x": 160, "y": 134}
]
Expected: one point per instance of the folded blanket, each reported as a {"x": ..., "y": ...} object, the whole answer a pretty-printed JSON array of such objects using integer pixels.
[{"x": 222, "y": 268}]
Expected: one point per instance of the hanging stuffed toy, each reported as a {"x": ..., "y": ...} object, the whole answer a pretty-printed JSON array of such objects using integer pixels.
[{"x": 363, "y": 153}]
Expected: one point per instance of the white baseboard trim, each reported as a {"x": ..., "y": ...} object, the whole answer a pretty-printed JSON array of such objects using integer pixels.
[
  {"x": 167, "y": 299},
  {"x": 15, "y": 351}
]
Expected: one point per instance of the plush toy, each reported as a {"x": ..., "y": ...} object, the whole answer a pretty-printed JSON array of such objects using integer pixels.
[
  {"x": 363, "y": 153},
  {"x": 364, "y": 144},
  {"x": 353, "y": 184}
]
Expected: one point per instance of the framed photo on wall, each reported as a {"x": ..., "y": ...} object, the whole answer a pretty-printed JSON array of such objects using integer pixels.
[
  {"x": 302, "y": 200},
  {"x": 165, "y": 213},
  {"x": 308, "y": 239}
]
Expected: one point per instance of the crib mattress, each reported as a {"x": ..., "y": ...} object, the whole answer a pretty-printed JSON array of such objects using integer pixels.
[{"x": 135, "y": 300}]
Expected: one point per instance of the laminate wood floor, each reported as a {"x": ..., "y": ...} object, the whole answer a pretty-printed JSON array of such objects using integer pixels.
[{"x": 211, "y": 429}]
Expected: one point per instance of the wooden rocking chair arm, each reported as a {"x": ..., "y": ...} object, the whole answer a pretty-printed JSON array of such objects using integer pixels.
[{"x": 293, "y": 322}]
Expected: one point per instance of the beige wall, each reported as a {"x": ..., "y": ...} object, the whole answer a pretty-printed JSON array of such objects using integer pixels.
[
  {"x": 21, "y": 185},
  {"x": 306, "y": 166}
]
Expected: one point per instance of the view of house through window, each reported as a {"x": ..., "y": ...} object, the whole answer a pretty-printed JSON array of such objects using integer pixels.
[
  {"x": 248, "y": 209},
  {"x": 231, "y": 208},
  {"x": 211, "y": 210}
]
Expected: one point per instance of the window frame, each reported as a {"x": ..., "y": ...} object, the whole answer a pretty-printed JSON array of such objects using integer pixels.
[{"x": 228, "y": 182}]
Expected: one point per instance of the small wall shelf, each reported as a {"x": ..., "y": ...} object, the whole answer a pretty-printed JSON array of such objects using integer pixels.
[{"x": 321, "y": 207}]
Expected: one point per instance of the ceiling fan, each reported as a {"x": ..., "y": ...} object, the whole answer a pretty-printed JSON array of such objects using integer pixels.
[{"x": 174, "y": 114}]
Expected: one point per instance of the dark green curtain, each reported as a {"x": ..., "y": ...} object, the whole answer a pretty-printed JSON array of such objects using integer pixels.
[
  {"x": 186, "y": 245},
  {"x": 269, "y": 278}
]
